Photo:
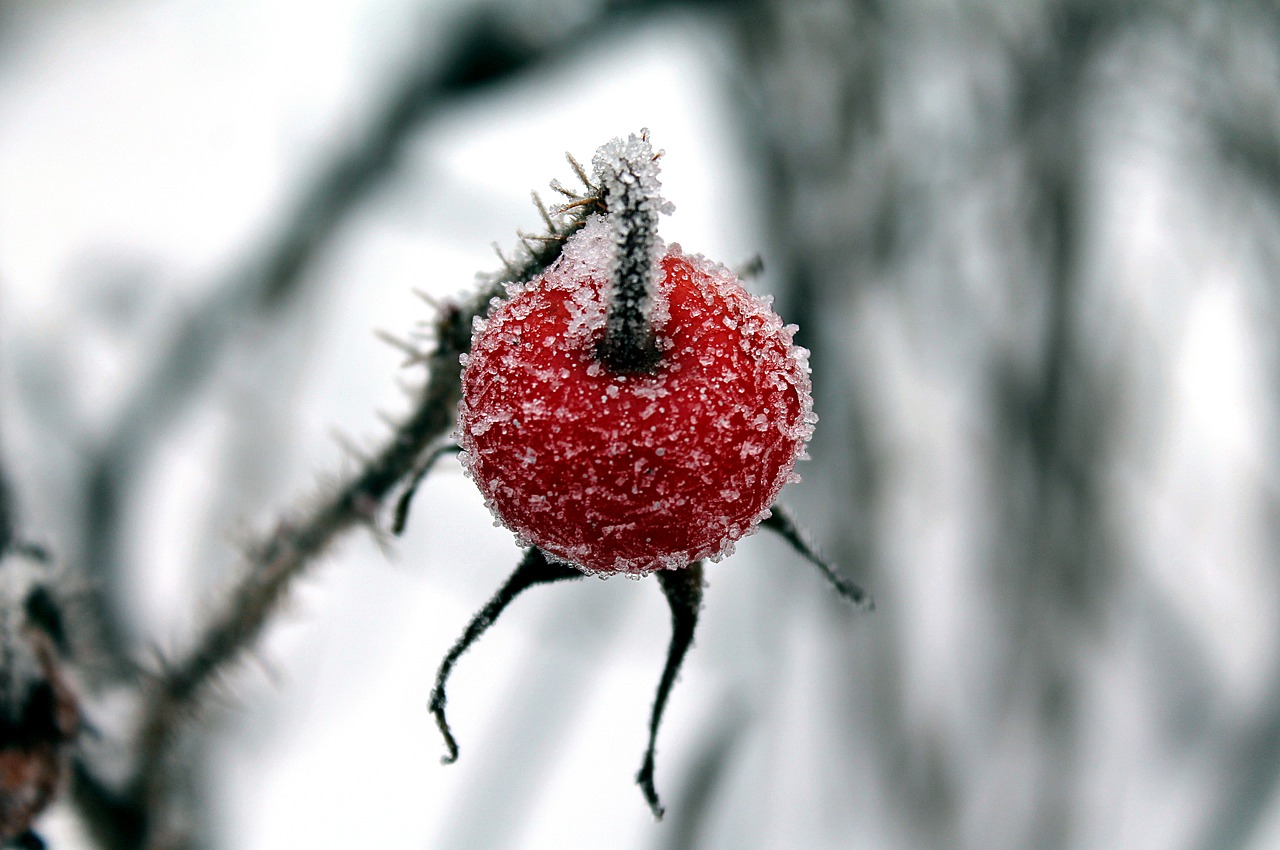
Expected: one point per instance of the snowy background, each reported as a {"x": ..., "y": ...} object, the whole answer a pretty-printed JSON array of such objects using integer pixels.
[{"x": 1032, "y": 247}]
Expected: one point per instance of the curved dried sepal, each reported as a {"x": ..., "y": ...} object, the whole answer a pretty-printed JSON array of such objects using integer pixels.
[
  {"x": 534, "y": 569},
  {"x": 780, "y": 522},
  {"x": 401, "y": 515},
  {"x": 683, "y": 589}
]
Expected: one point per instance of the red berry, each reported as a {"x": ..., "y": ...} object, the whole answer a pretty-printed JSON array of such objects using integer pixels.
[{"x": 633, "y": 471}]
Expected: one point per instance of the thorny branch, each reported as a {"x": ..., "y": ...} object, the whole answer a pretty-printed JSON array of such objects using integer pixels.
[
  {"x": 270, "y": 566},
  {"x": 481, "y": 53},
  {"x": 290, "y": 548}
]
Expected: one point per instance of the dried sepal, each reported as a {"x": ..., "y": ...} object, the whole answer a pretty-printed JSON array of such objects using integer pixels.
[
  {"x": 781, "y": 523},
  {"x": 534, "y": 569},
  {"x": 401, "y": 515},
  {"x": 683, "y": 590}
]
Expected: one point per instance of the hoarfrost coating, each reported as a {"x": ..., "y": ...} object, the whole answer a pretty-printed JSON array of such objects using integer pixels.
[
  {"x": 618, "y": 472},
  {"x": 626, "y": 175}
]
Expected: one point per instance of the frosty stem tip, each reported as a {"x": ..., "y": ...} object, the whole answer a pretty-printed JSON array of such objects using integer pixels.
[{"x": 627, "y": 174}]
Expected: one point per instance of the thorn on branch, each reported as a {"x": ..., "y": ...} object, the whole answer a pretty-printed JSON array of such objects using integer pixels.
[
  {"x": 349, "y": 446},
  {"x": 580, "y": 172},
  {"x": 552, "y": 227},
  {"x": 557, "y": 186},
  {"x": 413, "y": 354},
  {"x": 427, "y": 298},
  {"x": 752, "y": 268},
  {"x": 507, "y": 266}
]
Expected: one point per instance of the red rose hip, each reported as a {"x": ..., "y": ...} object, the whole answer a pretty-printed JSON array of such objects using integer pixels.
[
  {"x": 630, "y": 409},
  {"x": 629, "y": 471}
]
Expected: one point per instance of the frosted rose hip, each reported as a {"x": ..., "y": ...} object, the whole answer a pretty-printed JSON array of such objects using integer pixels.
[
  {"x": 633, "y": 472},
  {"x": 633, "y": 409}
]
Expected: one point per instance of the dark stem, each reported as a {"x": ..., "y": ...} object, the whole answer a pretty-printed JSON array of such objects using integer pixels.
[
  {"x": 683, "y": 589},
  {"x": 534, "y": 569},
  {"x": 781, "y": 523},
  {"x": 629, "y": 343}
]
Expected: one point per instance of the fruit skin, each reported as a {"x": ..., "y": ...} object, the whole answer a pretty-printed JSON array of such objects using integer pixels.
[{"x": 632, "y": 472}]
